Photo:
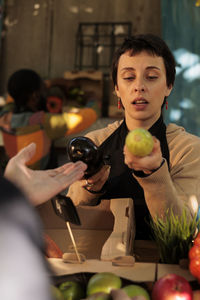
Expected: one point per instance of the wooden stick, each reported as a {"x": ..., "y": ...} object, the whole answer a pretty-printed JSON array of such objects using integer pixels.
[{"x": 73, "y": 241}]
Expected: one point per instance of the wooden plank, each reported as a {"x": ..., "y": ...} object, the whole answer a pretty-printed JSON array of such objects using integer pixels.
[
  {"x": 164, "y": 269},
  {"x": 140, "y": 272},
  {"x": 120, "y": 242}
]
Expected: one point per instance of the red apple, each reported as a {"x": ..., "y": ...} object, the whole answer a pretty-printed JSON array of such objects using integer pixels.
[{"x": 172, "y": 287}]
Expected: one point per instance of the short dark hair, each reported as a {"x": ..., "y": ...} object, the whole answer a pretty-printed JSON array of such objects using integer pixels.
[
  {"x": 151, "y": 44},
  {"x": 21, "y": 86}
]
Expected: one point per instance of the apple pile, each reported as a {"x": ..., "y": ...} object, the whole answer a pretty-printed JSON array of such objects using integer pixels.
[
  {"x": 194, "y": 258},
  {"x": 108, "y": 286},
  {"x": 101, "y": 286}
]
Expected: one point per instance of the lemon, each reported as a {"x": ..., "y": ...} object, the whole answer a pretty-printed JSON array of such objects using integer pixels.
[{"x": 139, "y": 142}]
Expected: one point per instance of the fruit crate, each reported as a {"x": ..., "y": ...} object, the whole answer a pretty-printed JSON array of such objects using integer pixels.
[{"x": 83, "y": 278}]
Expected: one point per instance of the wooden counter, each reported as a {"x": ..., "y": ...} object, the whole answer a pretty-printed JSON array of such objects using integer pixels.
[{"x": 140, "y": 272}]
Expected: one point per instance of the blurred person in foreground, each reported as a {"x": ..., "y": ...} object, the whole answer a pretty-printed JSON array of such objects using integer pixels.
[{"x": 24, "y": 272}]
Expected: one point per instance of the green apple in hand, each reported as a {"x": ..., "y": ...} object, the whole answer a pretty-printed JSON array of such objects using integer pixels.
[{"x": 139, "y": 142}]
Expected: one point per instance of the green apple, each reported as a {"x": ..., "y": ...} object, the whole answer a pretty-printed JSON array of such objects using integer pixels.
[
  {"x": 134, "y": 290},
  {"x": 56, "y": 293},
  {"x": 71, "y": 290},
  {"x": 103, "y": 282},
  {"x": 99, "y": 296},
  {"x": 139, "y": 142}
]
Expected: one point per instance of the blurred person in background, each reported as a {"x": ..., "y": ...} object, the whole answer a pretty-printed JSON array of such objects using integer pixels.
[
  {"x": 29, "y": 94},
  {"x": 30, "y": 107}
]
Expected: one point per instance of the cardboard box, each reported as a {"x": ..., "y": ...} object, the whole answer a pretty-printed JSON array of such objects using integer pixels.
[
  {"x": 107, "y": 232},
  {"x": 96, "y": 227}
]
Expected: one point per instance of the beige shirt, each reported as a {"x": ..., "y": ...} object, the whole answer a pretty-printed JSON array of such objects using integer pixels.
[{"x": 177, "y": 189}]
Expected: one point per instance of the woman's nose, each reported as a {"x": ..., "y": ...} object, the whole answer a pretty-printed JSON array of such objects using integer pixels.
[{"x": 139, "y": 86}]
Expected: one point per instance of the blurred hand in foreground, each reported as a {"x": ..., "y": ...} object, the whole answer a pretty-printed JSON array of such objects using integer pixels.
[{"x": 41, "y": 185}]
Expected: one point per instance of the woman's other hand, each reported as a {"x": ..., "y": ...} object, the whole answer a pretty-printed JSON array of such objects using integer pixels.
[{"x": 97, "y": 181}]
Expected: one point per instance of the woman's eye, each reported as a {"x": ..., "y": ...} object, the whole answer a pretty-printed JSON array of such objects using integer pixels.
[
  {"x": 129, "y": 78},
  {"x": 152, "y": 77}
]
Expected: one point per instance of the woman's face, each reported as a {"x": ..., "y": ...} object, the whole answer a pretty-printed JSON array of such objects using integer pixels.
[{"x": 142, "y": 87}]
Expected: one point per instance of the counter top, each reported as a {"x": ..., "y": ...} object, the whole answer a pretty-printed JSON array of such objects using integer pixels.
[{"x": 140, "y": 272}]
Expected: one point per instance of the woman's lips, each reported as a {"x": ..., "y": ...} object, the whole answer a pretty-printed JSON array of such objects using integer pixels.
[
  {"x": 139, "y": 100},
  {"x": 140, "y": 103}
]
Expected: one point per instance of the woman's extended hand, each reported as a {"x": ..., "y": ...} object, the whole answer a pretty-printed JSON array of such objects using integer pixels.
[
  {"x": 145, "y": 163},
  {"x": 38, "y": 185}
]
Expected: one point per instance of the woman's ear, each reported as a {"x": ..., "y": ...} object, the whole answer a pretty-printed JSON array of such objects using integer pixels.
[
  {"x": 117, "y": 91},
  {"x": 168, "y": 90}
]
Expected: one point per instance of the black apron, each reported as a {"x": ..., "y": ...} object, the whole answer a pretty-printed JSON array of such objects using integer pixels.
[{"x": 121, "y": 183}]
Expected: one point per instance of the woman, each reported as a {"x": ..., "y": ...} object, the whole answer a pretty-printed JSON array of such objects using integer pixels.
[{"x": 143, "y": 74}]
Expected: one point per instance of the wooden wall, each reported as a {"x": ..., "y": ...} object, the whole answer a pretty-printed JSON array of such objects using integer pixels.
[{"x": 41, "y": 34}]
